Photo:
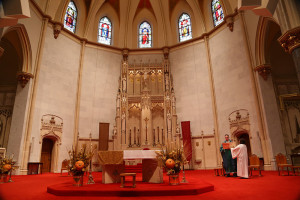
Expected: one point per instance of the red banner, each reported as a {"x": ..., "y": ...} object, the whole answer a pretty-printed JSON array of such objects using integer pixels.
[{"x": 186, "y": 138}]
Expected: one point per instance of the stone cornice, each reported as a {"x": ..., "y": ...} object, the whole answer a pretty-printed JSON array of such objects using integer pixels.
[
  {"x": 58, "y": 27},
  {"x": 290, "y": 40},
  {"x": 264, "y": 70},
  {"x": 23, "y": 78}
]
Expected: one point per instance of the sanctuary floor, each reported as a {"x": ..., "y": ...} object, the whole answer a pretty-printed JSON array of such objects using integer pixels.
[{"x": 269, "y": 186}]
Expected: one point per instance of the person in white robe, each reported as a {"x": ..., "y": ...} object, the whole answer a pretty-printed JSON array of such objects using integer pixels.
[{"x": 240, "y": 152}]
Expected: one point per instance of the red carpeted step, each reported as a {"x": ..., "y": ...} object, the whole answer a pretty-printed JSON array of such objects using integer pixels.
[{"x": 142, "y": 189}]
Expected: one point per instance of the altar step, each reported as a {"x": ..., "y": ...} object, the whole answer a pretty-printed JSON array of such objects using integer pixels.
[{"x": 133, "y": 168}]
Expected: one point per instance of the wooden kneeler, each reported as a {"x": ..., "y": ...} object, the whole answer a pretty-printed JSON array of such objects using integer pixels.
[{"x": 123, "y": 175}]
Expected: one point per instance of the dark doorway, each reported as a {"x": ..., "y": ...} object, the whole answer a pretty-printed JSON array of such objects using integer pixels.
[
  {"x": 245, "y": 136},
  {"x": 46, "y": 155},
  {"x": 103, "y": 136}
]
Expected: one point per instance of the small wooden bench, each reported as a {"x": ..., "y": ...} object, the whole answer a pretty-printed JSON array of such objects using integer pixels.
[{"x": 123, "y": 175}]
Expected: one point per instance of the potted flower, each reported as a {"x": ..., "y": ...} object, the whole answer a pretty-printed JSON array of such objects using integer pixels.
[
  {"x": 6, "y": 166},
  {"x": 171, "y": 161},
  {"x": 79, "y": 161}
]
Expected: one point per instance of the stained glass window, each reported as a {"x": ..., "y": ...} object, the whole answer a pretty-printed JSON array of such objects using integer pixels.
[
  {"x": 184, "y": 27},
  {"x": 217, "y": 10},
  {"x": 104, "y": 31},
  {"x": 145, "y": 35},
  {"x": 71, "y": 17}
]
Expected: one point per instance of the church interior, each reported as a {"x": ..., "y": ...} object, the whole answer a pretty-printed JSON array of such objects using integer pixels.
[{"x": 145, "y": 75}]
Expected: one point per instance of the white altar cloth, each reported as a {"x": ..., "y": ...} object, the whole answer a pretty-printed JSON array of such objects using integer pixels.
[{"x": 139, "y": 154}]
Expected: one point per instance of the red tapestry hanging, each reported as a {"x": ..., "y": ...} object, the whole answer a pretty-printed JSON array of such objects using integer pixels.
[{"x": 186, "y": 138}]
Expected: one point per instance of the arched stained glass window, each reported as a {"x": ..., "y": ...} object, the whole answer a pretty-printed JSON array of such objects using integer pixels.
[
  {"x": 145, "y": 35},
  {"x": 71, "y": 17},
  {"x": 184, "y": 27},
  {"x": 104, "y": 31},
  {"x": 217, "y": 11}
]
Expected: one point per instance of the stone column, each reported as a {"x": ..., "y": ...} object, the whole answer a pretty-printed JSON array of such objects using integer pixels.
[
  {"x": 28, "y": 128},
  {"x": 296, "y": 57},
  {"x": 290, "y": 41}
]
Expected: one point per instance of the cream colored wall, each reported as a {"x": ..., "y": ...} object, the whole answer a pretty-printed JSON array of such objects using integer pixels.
[
  {"x": 100, "y": 78},
  {"x": 189, "y": 67},
  {"x": 204, "y": 152},
  {"x": 56, "y": 92},
  {"x": 232, "y": 79}
]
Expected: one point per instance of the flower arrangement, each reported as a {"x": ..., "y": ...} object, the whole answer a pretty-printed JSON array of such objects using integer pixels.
[
  {"x": 171, "y": 160},
  {"x": 79, "y": 161},
  {"x": 7, "y": 164}
]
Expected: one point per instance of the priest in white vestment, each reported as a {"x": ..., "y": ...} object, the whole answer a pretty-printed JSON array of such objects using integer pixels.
[{"x": 240, "y": 152}]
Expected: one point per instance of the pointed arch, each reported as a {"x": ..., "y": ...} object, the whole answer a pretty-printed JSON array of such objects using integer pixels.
[
  {"x": 145, "y": 35},
  {"x": 104, "y": 31},
  {"x": 261, "y": 53},
  {"x": 70, "y": 18},
  {"x": 26, "y": 46},
  {"x": 184, "y": 27},
  {"x": 217, "y": 12}
]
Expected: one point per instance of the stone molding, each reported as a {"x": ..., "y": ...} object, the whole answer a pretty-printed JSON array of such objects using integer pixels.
[
  {"x": 57, "y": 29},
  {"x": 23, "y": 78},
  {"x": 264, "y": 70},
  {"x": 230, "y": 22},
  {"x": 290, "y": 40},
  {"x": 51, "y": 126}
]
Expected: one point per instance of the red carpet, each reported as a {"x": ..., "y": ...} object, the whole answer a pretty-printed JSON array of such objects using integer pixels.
[
  {"x": 142, "y": 188},
  {"x": 268, "y": 187}
]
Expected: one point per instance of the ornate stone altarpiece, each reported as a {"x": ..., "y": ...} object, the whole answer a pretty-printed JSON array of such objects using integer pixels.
[{"x": 146, "y": 106}]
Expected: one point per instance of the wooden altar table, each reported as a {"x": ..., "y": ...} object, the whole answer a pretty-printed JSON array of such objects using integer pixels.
[{"x": 113, "y": 165}]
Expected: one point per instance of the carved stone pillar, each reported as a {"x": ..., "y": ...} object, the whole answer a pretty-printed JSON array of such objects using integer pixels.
[
  {"x": 146, "y": 119},
  {"x": 23, "y": 78},
  {"x": 290, "y": 41}
]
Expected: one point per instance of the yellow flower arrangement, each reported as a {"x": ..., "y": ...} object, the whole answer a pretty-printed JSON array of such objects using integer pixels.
[
  {"x": 6, "y": 165},
  {"x": 79, "y": 161},
  {"x": 171, "y": 160}
]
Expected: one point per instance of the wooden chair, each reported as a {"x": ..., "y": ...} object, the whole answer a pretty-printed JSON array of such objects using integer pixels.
[
  {"x": 282, "y": 163},
  {"x": 296, "y": 167},
  {"x": 254, "y": 164},
  {"x": 65, "y": 166}
]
